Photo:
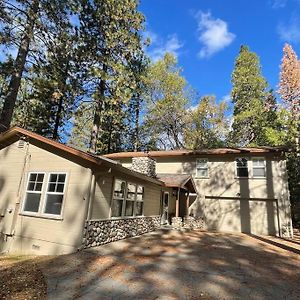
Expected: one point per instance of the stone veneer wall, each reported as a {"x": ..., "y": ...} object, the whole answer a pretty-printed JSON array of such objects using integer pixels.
[
  {"x": 188, "y": 222},
  {"x": 145, "y": 165},
  {"x": 99, "y": 232}
]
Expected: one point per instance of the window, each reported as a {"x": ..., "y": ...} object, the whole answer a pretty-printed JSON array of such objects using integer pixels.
[
  {"x": 33, "y": 192},
  {"x": 118, "y": 198},
  {"x": 258, "y": 167},
  {"x": 242, "y": 167},
  {"x": 139, "y": 208},
  {"x": 44, "y": 201},
  {"x": 128, "y": 199},
  {"x": 55, "y": 194},
  {"x": 202, "y": 168}
]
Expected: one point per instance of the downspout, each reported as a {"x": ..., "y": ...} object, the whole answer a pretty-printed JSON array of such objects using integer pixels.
[{"x": 19, "y": 192}]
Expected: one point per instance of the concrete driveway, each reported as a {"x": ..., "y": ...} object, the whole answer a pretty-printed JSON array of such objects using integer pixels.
[{"x": 177, "y": 265}]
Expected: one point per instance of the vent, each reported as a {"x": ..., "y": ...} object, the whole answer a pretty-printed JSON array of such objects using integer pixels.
[{"x": 21, "y": 143}]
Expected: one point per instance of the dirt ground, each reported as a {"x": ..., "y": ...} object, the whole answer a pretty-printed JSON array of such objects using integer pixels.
[
  {"x": 171, "y": 265},
  {"x": 21, "y": 278}
]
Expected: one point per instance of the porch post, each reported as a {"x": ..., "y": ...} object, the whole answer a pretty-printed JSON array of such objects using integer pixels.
[
  {"x": 187, "y": 205},
  {"x": 177, "y": 203}
]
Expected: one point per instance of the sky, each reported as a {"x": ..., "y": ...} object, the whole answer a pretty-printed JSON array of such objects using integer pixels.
[{"x": 206, "y": 36}]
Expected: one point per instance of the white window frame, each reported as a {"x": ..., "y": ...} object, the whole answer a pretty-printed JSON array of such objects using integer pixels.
[
  {"x": 43, "y": 198},
  {"x": 130, "y": 200},
  {"x": 259, "y": 167},
  {"x": 198, "y": 160},
  {"x": 237, "y": 167},
  {"x": 118, "y": 198},
  {"x": 54, "y": 193},
  {"x": 32, "y": 213},
  {"x": 136, "y": 200},
  {"x": 125, "y": 198}
]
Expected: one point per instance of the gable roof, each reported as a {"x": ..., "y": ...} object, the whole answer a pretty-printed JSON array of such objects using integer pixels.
[
  {"x": 184, "y": 181},
  {"x": 15, "y": 133},
  {"x": 185, "y": 152}
]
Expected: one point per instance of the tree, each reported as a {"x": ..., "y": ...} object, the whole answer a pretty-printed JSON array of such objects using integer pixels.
[
  {"x": 111, "y": 40},
  {"x": 26, "y": 23},
  {"x": 289, "y": 85},
  {"x": 81, "y": 127},
  {"x": 167, "y": 96},
  {"x": 54, "y": 87},
  {"x": 207, "y": 125},
  {"x": 248, "y": 95},
  {"x": 289, "y": 90},
  {"x": 133, "y": 140}
]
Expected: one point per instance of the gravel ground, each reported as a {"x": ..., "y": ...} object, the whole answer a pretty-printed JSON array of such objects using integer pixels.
[
  {"x": 160, "y": 265},
  {"x": 177, "y": 265},
  {"x": 21, "y": 278}
]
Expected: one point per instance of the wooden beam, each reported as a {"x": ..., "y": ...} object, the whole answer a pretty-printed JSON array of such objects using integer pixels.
[
  {"x": 187, "y": 205},
  {"x": 177, "y": 203}
]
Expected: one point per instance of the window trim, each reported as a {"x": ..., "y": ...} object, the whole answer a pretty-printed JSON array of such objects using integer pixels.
[
  {"x": 113, "y": 198},
  {"x": 202, "y": 168},
  {"x": 124, "y": 199},
  {"x": 265, "y": 167},
  {"x": 136, "y": 200},
  {"x": 236, "y": 167},
  {"x": 40, "y": 213},
  {"x": 128, "y": 199},
  {"x": 54, "y": 193},
  {"x": 31, "y": 213}
]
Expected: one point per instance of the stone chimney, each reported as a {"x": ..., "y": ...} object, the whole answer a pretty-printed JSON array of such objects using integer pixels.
[{"x": 145, "y": 165}]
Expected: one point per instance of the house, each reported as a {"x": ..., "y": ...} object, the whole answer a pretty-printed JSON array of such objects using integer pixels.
[
  {"x": 55, "y": 199},
  {"x": 238, "y": 189}
]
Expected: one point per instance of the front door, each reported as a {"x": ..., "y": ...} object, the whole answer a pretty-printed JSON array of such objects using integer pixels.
[{"x": 165, "y": 208}]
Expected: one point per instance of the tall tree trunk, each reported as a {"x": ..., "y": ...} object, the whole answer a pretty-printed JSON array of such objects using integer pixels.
[
  {"x": 97, "y": 119},
  {"x": 15, "y": 81},
  {"x": 58, "y": 118},
  {"x": 58, "y": 115}
]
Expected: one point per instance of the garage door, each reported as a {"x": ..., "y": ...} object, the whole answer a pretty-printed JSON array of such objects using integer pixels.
[{"x": 253, "y": 215}]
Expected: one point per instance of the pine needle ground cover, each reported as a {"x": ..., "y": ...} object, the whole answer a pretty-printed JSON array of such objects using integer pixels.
[{"x": 21, "y": 279}]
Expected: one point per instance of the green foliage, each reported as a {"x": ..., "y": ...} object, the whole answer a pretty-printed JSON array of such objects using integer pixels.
[
  {"x": 248, "y": 95},
  {"x": 27, "y": 27},
  {"x": 47, "y": 105},
  {"x": 81, "y": 129},
  {"x": 207, "y": 125},
  {"x": 111, "y": 45},
  {"x": 168, "y": 96}
]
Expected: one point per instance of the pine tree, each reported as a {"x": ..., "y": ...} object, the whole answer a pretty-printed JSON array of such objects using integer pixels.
[
  {"x": 248, "y": 95},
  {"x": 26, "y": 26},
  {"x": 110, "y": 31},
  {"x": 49, "y": 103},
  {"x": 289, "y": 90},
  {"x": 289, "y": 86}
]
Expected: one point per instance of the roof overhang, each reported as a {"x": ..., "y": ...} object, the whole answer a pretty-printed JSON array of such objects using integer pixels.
[
  {"x": 87, "y": 159},
  {"x": 217, "y": 151},
  {"x": 183, "y": 181}
]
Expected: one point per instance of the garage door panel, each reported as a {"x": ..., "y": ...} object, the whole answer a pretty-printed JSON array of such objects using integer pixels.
[{"x": 240, "y": 215}]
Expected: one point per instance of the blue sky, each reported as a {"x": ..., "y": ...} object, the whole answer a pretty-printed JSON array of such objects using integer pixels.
[{"x": 206, "y": 36}]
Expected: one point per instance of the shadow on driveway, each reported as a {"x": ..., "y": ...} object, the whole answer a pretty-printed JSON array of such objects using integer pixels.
[{"x": 170, "y": 264}]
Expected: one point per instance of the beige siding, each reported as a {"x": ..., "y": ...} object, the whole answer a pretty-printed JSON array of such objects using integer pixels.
[
  {"x": 259, "y": 217},
  {"x": 103, "y": 195},
  {"x": 36, "y": 234},
  {"x": 102, "y": 198}
]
